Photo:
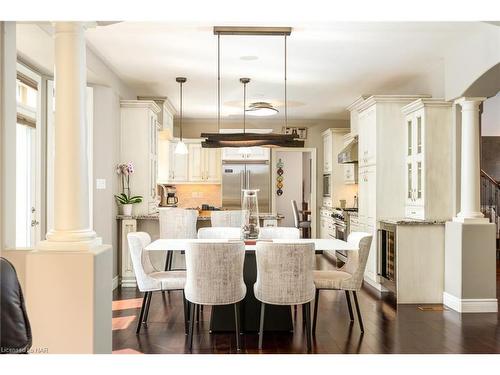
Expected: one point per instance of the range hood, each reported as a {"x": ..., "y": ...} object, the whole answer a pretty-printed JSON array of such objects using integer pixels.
[{"x": 350, "y": 153}]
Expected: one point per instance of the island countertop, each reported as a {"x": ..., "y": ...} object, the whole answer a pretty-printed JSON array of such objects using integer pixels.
[
  {"x": 155, "y": 216},
  {"x": 408, "y": 221}
]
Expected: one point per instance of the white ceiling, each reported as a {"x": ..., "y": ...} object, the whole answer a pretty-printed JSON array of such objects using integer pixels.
[{"x": 329, "y": 65}]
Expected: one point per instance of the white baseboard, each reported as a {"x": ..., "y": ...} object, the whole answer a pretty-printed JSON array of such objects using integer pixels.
[
  {"x": 479, "y": 305},
  {"x": 115, "y": 282},
  {"x": 373, "y": 283}
]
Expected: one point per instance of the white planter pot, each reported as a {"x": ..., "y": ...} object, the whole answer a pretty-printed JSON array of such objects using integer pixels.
[{"x": 126, "y": 209}]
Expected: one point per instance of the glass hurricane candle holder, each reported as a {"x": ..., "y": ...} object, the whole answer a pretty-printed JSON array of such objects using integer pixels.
[{"x": 250, "y": 215}]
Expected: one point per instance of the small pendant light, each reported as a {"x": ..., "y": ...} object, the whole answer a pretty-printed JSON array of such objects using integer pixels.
[{"x": 181, "y": 147}]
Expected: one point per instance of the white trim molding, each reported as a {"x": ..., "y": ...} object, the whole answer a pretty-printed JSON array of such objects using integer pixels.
[
  {"x": 115, "y": 282},
  {"x": 472, "y": 305}
]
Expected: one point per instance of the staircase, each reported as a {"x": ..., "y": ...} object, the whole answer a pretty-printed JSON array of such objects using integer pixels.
[{"x": 490, "y": 202}]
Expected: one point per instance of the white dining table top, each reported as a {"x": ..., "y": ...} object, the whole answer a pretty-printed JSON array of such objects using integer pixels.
[{"x": 320, "y": 244}]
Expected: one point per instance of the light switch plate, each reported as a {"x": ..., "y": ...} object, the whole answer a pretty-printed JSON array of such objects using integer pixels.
[{"x": 100, "y": 184}]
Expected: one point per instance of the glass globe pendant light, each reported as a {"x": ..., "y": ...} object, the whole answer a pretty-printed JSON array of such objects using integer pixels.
[{"x": 181, "y": 147}]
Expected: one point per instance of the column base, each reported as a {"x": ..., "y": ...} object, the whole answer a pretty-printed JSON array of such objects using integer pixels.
[
  {"x": 88, "y": 245},
  {"x": 471, "y": 220},
  {"x": 470, "y": 267},
  {"x": 69, "y": 300}
]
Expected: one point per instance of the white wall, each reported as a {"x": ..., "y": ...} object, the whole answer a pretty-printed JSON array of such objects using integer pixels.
[
  {"x": 490, "y": 119},
  {"x": 292, "y": 185},
  {"x": 106, "y": 155}
]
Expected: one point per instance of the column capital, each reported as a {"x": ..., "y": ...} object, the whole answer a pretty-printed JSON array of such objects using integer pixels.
[
  {"x": 470, "y": 103},
  {"x": 72, "y": 27}
]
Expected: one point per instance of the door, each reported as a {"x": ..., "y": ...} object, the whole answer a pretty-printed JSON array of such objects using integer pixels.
[
  {"x": 233, "y": 181},
  {"x": 258, "y": 177},
  {"x": 212, "y": 162},
  {"x": 196, "y": 167},
  {"x": 28, "y": 158},
  {"x": 178, "y": 165}
]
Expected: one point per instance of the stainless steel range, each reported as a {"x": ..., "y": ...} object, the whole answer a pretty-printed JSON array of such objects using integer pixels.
[{"x": 341, "y": 224}]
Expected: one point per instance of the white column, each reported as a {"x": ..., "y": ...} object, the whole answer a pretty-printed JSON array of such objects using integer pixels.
[
  {"x": 470, "y": 183},
  {"x": 72, "y": 229}
]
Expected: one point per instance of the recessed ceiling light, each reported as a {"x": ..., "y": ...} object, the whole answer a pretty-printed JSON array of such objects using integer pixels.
[{"x": 249, "y": 58}]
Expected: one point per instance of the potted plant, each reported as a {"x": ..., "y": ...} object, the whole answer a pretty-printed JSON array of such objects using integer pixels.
[{"x": 125, "y": 199}]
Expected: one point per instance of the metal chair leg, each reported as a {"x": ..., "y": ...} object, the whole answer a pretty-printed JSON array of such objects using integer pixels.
[
  {"x": 141, "y": 315},
  {"x": 358, "y": 311},
  {"x": 192, "y": 307},
  {"x": 170, "y": 261},
  {"x": 197, "y": 313},
  {"x": 237, "y": 324},
  {"x": 349, "y": 305},
  {"x": 146, "y": 312},
  {"x": 315, "y": 316},
  {"x": 261, "y": 324},
  {"x": 308, "y": 325},
  {"x": 167, "y": 260},
  {"x": 186, "y": 313}
]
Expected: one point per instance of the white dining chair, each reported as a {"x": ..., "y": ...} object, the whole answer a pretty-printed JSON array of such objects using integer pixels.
[
  {"x": 214, "y": 276},
  {"x": 348, "y": 278},
  {"x": 284, "y": 277},
  {"x": 149, "y": 279},
  {"x": 270, "y": 233},
  {"x": 226, "y": 218},
  {"x": 176, "y": 223},
  {"x": 219, "y": 233}
]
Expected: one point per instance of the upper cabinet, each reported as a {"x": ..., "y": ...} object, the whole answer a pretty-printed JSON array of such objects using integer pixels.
[
  {"x": 427, "y": 125},
  {"x": 165, "y": 115},
  {"x": 139, "y": 145},
  {"x": 245, "y": 154},
  {"x": 199, "y": 165},
  {"x": 327, "y": 152}
]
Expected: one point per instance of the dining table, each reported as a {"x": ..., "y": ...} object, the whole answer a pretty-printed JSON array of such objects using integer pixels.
[{"x": 278, "y": 318}]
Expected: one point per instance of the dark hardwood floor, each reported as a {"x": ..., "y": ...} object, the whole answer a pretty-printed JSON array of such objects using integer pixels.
[{"x": 388, "y": 328}]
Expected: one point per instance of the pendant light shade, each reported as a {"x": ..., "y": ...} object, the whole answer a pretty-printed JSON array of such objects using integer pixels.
[{"x": 181, "y": 147}]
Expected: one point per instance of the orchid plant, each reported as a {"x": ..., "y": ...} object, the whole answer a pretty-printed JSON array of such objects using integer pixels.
[{"x": 124, "y": 170}]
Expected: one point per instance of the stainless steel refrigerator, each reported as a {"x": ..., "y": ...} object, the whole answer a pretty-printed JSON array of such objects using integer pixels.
[{"x": 237, "y": 176}]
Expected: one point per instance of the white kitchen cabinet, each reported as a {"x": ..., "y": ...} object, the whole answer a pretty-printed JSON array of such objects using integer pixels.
[
  {"x": 139, "y": 145},
  {"x": 178, "y": 165},
  {"x": 381, "y": 174},
  {"x": 427, "y": 123},
  {"x": 204, "y": 164},
  {"x": 245, "y": 154},
  {"x": 327, "y": 152},
  {"x": 350, "y": 173}
]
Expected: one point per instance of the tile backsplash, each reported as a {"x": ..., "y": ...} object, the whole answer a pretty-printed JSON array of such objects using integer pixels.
[{"x": 191, "y": 196}]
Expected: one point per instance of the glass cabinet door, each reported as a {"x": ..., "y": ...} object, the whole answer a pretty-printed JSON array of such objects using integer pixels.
[
  {"x": 419, "y": 134},
  {"x": 409, "y": 140},
  {"x": 419, "y": 180},
  {"x": 409, "y": 183}
]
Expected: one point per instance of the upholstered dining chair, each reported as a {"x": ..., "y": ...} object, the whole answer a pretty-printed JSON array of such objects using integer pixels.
[
  {"x": 269, "y": 233},
  {"x": 214, "y": 276},
  {"x": 150, "y": 280},
  {"x": 284, "y": 277},
  {"x": 226, "y": 218},
  {"x": 300, "y": 224},
  {"x": 348, "y": 278},
  {"x": 219, "y": 233},
  {"x": 177, "y": 223}
]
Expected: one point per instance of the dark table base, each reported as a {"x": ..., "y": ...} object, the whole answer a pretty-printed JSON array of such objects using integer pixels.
[{"x": 277, "y": 318}]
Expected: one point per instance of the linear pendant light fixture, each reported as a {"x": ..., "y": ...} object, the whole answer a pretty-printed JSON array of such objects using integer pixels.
[
  {"x": 218, "y": 140},
  {"x": 181, "y": 147}
]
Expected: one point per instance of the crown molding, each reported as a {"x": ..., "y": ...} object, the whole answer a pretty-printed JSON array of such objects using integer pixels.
[
  {"x": 375, "y": 99},
  {"x": 421, "y": 103},
  {"x": 150, "y": 104}
]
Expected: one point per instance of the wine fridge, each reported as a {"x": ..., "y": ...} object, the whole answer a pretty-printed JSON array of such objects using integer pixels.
[{"x": 387, "y": 255}]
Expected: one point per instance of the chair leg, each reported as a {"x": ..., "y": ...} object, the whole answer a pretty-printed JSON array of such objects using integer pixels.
[
  {"x": 307, "y": 308},
  {"x": 146, "y": 312},
  {"x": 349, "y": 305},
  {"x": 237, "y": 325},
  {"x": 197, "y": 313},
  {"x": 192, "y": 307},
  {"x": 186, "y": 313},
  {"x": 358, "y": 311},
  {"x": 315, "y": 316},
  {"x": 167, "y": 260},
  {"x": 139, "y": 322},
  {"x": 261, "y": 324},
  {"x": 170, "y": 261}
]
